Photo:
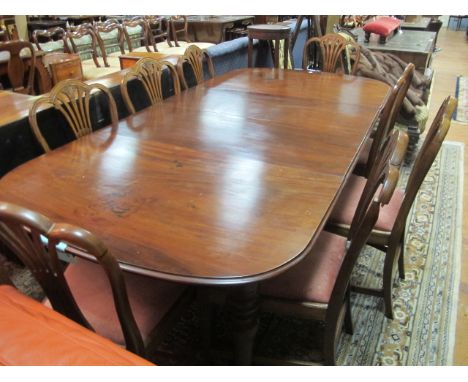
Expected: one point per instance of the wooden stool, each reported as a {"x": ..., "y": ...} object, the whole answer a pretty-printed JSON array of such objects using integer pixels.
[{"x": 270, "y": 32}]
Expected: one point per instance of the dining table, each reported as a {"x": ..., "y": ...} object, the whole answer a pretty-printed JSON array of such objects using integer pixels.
[{"x": 224, "y": 185}]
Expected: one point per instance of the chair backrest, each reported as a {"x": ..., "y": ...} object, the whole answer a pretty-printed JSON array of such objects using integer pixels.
[
  {"x": 157, "y": 27},
  {"x": 389, "y": 113},
  {"x": 20, "y": 74},
  {"x": 72, "y": 99},
  {"x": 377, "y": 193},
  {"x": 46, "y": 35},
  {"x": 149, "y": 71},
  {"x": 422, "y": 164},
  {"x": 105, "y": 43},
  {"x": 35, "y": 239},
  {"x": 142, "y": 38},
  {"x": 195, "y": 57},
  {"x": 83, "y": 41},
  {"x": 332, "y": 48},
  {"x": 181, "y": 31}
]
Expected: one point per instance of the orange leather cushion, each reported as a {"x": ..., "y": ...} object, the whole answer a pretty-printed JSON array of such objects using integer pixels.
[{"x": 32, "y": 334}]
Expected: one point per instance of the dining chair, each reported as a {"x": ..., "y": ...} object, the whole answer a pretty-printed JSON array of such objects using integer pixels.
[
  {"x": 136, "y": 34},
  {"x": 194, "y": 57},
  {"x": 317, "y": 287},
  {"x": 388, "y": 235},
  {"x": 386, "y": 122},
  {"x": 91, "y": 290},
  {"x": 181, "y": 31},
  {"x": 20, "y": 74},
  {"x": 158, "y": 32},
  {"x": 72, "y": 98},
  {"x": 149, "y": 72},
  {"x": 178, "y": 26},
  {"x": 333, "y": 48},
  {"x": 84, "y": 42},
  {"x": 110, "y": 36},
  {"x": 50, "y": 40}
]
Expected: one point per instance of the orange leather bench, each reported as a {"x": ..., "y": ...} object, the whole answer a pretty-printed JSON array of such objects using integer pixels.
[{"x": 32, "y": 334}]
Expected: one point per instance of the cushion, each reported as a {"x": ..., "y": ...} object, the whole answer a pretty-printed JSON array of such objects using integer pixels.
[
  {"x": 32, "y": 334},
  {"x": 150, "y": 299},
  {"x": 91, "y": 72},
  {"x": 382, "y": 26},
  {"x": 52, "y": 46},
  {"x": 345, "y": 207},
  {"x": 313, "y": 278}
]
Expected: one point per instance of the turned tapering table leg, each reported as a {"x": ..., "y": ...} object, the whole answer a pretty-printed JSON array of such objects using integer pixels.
[{"x": 243, "y": 301}]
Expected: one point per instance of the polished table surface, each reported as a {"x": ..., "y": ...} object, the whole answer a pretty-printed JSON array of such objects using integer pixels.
[
  {"x": 227, "y": 183},
  {"x": 14, "y": 106}
]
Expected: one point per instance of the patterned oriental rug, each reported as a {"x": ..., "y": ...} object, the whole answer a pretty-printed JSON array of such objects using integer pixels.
[
  {"x": 425, "y": 303},
  {"x": 461, "y": 91}
]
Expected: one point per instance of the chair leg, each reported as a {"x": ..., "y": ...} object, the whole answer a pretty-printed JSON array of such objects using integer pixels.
[
  {"x": 401, "y": 259},
  {"x": 329, "y": 351},
  {"x": 388, "y": 282},
  {"x": 348, "y": 320}
]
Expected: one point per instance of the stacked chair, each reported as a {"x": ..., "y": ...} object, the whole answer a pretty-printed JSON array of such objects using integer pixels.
[{"x": 99, "y": 44}]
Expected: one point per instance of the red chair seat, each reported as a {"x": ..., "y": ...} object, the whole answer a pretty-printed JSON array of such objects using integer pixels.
[
  {"x": 313, "y": 278},
  {"x": 150, "y": 299},
  {"x": 345, "y": 207},
  {"x": 32, "y": 334},
  {"x": 382, "y": 26}
]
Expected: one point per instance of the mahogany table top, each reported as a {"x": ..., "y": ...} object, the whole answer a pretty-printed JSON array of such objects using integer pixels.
[
  {"x": 229, "y": 182},
  {"x": 14, "y": 106}
]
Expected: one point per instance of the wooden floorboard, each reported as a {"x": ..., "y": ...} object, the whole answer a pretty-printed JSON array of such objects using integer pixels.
[{"x": 449, "y": 63}]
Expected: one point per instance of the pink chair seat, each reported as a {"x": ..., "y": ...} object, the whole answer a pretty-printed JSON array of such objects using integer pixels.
[
  {"x": 150, "y": 299},
  {"x": 345, "y": 207},
  {"x": 313, "y": 278}
]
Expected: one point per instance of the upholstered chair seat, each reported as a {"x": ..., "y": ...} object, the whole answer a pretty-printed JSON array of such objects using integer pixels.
[
  {"x": 313, "y": 278},
  {"x": 150, "y": 299},
  {"x": 345, "y": 207}
]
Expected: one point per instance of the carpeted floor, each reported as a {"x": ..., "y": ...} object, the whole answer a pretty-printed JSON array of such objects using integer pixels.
[
  {"x": 425, "y": 303},
  {"x": 461, "y": 91}
]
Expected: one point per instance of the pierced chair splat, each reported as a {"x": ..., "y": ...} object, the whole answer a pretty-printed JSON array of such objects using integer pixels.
[
  {"x": 149, "y": 72},
  {"x": 72, "y": 98}
]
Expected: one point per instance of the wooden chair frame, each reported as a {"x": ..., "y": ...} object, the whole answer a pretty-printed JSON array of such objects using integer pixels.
[
  {"x": 81, "y": 31},
  {"x": 49, "y": 35},
  {"x": 155, "y": 30},
  {"x": 392, "y": 243},
  {"x": 34, "y": 239},
  {"x": 389, "y": 115},
  {"x": 195, "y": 57},
  {"x": 17, "y": 68},
  {"x": 175, "y": 32},
  {"x": 108, "y": 27},
  {"x": 72, "y": 99},
  {"x": 338, "y": 309},
  {"x": 149, "y": 71},
  {"x": 332, "y": 47},
  {"x": 144, "y": 32}
]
